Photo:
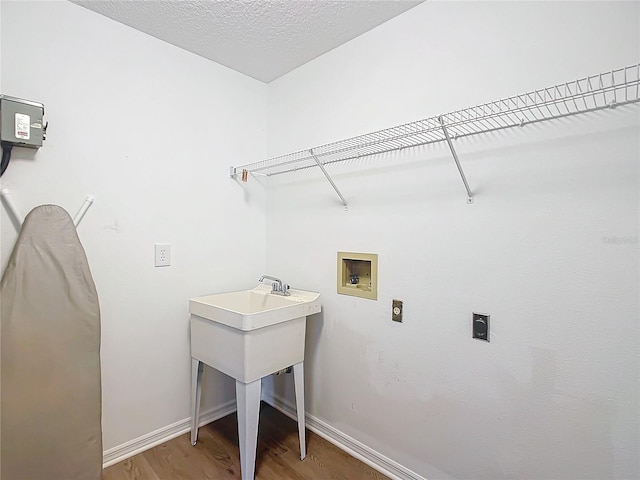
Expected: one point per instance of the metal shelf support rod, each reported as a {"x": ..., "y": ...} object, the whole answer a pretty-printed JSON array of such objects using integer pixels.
[
  {"x": 17, "y": 219},
  {"x": 88, "y": 201},
  {"x": 455, "y": 157},
  {"x": 14, "y": 214},
  {"x": 326, "y": 174}
]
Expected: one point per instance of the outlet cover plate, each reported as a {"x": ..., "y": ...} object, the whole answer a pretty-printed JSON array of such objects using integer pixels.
[
  {"x": 163, "y": 254},
  {"x": 481, "y": 326},
  {"x": 396, "y": 310}
]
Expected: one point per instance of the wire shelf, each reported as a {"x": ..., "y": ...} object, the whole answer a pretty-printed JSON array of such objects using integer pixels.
[{"x": 605, "y": 90}]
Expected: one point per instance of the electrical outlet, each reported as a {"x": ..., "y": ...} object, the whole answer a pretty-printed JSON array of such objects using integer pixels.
[
  {"x": 481, "y": 326},
  {"x": 163, "y": 254},
  {"x": 396, "y": 310}
]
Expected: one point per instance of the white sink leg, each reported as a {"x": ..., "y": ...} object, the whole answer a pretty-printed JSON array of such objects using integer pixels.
[
  {"x": 196, "y": 391},
  {"x": 248, "y": 401},
  {"x": 298, "y": 378}
]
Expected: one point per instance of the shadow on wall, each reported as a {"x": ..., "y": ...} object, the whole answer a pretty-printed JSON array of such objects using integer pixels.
[
  {"x": 538, "y": 430},
  {"x": 282, "y": 385}
]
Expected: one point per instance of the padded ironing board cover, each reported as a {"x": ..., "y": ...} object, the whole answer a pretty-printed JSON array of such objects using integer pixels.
[{"x": 50, "y": 355}]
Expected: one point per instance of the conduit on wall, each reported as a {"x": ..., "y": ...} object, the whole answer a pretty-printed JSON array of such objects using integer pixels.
[{"x": 617, "y": 87}]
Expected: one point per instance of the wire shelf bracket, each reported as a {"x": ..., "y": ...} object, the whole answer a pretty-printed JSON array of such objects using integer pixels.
[
  {"x": 455, "y": 158},
  {"x": 606, "y": 90},
  {"x": 324, "y": 170}
]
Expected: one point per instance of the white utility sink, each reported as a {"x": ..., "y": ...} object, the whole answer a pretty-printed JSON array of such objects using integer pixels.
[
  {"x": 251, "y": 333},
  {"x": 248, "y": 335},
  {"x": 256, "y": 308}
]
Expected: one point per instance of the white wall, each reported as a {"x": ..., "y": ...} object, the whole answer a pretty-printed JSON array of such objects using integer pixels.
[
  {"x": 549, "y": 249},
  {"x": 555, "y": 393},
  {"x": 150, "y": 130}
]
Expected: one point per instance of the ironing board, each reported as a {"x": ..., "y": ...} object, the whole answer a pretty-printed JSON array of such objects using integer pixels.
[{"x": 49, "y": 355}]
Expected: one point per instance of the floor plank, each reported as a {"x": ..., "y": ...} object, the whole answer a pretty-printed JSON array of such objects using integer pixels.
[
  {"x": 133, "y": 468},
  {"x": 216, "y": 456}
]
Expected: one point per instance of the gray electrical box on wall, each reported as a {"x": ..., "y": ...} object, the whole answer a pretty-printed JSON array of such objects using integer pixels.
[{"x": 21, "y": 122}]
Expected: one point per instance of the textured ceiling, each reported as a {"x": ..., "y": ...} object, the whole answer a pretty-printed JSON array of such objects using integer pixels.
[{"x": 261, "y": 38}]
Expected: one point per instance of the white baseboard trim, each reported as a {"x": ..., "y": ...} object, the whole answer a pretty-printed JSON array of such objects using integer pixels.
[
  {"x": 164, "y": 434},
  {"x": 343, "y": 441}
]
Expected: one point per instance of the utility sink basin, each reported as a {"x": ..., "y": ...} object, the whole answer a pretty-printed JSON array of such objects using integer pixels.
[
  {"x": 253, "y": 333},
  {"x": 256, "y": 308}
]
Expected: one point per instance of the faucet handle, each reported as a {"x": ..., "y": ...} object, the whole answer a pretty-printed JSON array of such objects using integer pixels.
[{"x": 285, "y": 289}]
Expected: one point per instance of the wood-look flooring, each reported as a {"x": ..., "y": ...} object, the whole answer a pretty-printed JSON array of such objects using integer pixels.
[{"x": 216, "y": 456}]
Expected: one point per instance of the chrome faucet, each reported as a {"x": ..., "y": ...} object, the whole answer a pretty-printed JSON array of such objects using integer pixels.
[{"x": 277, "y": 287}]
